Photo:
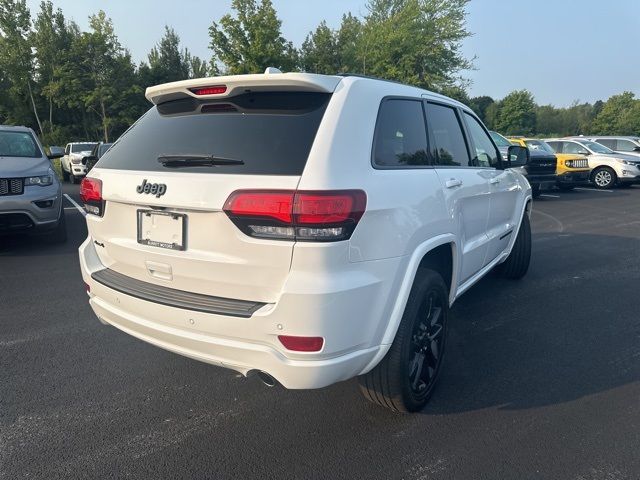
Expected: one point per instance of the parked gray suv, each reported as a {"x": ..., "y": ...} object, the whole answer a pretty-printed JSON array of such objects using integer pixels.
[{"x": 30, "y": 193}]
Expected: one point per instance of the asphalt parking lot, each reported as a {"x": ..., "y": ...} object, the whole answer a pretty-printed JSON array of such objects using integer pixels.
[{"x": 542, "y": 377}]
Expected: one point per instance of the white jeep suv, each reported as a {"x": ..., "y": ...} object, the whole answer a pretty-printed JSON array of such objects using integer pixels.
[{"x": 305, "y": 228}]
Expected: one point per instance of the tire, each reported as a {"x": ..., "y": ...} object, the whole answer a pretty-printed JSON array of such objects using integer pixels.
[
  {"x": 566, "y": 188},
  {"x": 59, "y": 234},
  {"x": 604, "y": 177},
  {"x": 65, "y": 174},
  {"x": 517, "y": 263},
  {"x": 405, "y": 378},
  {"x": 535, "y": 190},
  {"x": 73, "y": 179}
]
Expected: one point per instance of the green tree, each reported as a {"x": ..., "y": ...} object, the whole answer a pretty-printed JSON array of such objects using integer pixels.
[
  {"x": 16, "y": 59},
  {"x": 166, "y": 62},
  {"x": 480, "y": 105},
  {"x": 51, "y": 39},
  {"x": 415, "y": 41},
  {"x": 611, "y": 119},
  {"x": 348, "y": 40},
  {"x": 319, "y": 53},
  {"x": 517, "y": 115},
  {"x": 252, "y": 40}
]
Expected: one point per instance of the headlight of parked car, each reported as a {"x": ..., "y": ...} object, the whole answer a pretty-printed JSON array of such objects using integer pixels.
[
  {"x": 76, "y": 160},
  {"x": 42, "y": 180},
  {"x": 569, "y": 163}
]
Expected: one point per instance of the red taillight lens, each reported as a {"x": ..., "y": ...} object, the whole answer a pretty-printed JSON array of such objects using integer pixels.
[
  {"x": 301, "y": 344},
  {"x": 276, "y": 205},
  {"x": 317, "y": 208},
  {"x": 91, "y": 195},
  {"x": 297, "y": 215},
  {"x": 212, "y": 90}
]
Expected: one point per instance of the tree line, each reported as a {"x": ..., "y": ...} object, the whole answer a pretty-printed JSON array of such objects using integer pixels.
[
  {"x": 70, "y": 84},
  {"x": 518, "y": 114}
]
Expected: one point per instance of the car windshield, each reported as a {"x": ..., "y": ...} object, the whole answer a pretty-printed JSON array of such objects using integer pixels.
[
  {"x": 82, "y": 147},
  {"x": 596, "y": 147},
  {"x": 500, "y": 140},
  {"x": 18, "y": 144},
  {"x": 539, "y": 145}
]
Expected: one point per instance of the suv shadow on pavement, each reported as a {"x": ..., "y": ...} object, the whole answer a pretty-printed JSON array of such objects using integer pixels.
[{"x": 568, "y": 331}]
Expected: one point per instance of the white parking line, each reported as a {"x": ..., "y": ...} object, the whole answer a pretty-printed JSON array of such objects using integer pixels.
[
  {"x": 78, "y": 207},
  {"x": 550, "y": 196},
  {"x": 593, "y": 190}
]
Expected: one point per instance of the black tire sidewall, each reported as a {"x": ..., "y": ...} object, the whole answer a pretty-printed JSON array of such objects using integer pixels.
[{"x": 426, "y": 282}]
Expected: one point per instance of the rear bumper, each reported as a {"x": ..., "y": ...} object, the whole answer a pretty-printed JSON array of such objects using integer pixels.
[
  {"x": 348, "y": 319},
  {"x": 574, "y": 178}
]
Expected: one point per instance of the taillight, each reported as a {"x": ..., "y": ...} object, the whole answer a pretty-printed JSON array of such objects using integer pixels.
[
  {"x": 313, "y": 216},
  {"x": 91, "y": 195},
  {"x": 212, "y": 90},
  {"x": 301, "y": 344}
]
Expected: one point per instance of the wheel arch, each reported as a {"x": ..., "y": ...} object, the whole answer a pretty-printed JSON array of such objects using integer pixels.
[{"x": 427, "y": 255}]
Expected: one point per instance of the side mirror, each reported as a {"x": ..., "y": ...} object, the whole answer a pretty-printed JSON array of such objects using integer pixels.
[
  {"x": 584, "y": 152},
  {"x": 55, "y": 152},
  {"x": 517, "y": 154},
  {"x": 87, "y": 159},
  {"x": 636, "y": 149}
]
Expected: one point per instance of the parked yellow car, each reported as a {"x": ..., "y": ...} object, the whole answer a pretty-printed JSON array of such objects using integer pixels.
[{"x": 572, "y": 170}]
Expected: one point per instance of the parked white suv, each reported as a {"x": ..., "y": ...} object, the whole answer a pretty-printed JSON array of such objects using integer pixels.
[
  {"x": 608, "y": 168},
  {"x": 305, "y": 228},
  {"x": 72, "y": 168}
]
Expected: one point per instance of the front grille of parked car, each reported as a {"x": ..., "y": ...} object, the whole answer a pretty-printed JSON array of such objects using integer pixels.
[
  {"x": 11, "y": 186},
  {"x": 583, "y": 163}
]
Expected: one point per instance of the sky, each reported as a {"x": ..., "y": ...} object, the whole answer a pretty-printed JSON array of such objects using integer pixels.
[{"x": 560, "y": 50}]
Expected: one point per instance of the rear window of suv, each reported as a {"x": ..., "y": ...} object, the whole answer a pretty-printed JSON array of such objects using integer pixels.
[{"x": 270, "y": 132}]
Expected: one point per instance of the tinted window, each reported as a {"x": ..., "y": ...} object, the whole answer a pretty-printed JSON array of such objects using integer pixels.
[
  {"x": 556, "y": 146},
  {"x": 271, "y": 132},
  {"x": 400, "y": 139},
  {"x": 447, "y": 135},
  {"x": 624, "y": 146},
  {"x": 486, "y": 154},
  {"x": 607, "y": 142},
  {"x": 102, "y": 149},
  {"x": 573, "y": 147},
  {"x": 500, "y": 140},
  {"x": 18, "y": 144}
]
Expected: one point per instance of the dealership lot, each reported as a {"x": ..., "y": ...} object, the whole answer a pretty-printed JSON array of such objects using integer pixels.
[{"x": 541, "y": 380}]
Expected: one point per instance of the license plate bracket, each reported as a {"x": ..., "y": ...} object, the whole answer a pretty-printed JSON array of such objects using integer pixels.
[{"x": 161, "y": 229}]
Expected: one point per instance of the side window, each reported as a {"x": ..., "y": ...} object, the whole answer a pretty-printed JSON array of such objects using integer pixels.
[
  {"x": 67, "y": 149},
  {"x": 486, "y": 154},
  {"x": 573, "y": 147},
  {"x": 450, "y": 145},
  {"x": 557, "y": 146},
  {"x": 607, "y": 142},
  {"x": 400, "y": 138},
  {"x": 624, "y": 146}
]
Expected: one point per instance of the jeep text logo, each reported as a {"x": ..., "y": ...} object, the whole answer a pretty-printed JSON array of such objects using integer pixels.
[{"x": 157, "y": 189}]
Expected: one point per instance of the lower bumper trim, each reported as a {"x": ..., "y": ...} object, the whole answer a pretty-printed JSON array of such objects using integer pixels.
[{"x": 175, "y": 298}]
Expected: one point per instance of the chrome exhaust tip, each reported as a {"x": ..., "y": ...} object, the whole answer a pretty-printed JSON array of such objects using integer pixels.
[{"x": 267, "y": 379}]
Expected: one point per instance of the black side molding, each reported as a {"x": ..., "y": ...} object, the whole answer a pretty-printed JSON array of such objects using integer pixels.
[
  {"x": 506, "y": 234},
  {"x": 175, "y": 298}
]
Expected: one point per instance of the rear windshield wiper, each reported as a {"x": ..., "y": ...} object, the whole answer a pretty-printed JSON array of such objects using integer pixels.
[{"x": 174, "y": 161}]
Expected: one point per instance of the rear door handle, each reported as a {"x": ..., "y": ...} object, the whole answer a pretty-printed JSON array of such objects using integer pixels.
[
  {"x": 453, "y": 182},
  {"x": 494, "y": 181}
]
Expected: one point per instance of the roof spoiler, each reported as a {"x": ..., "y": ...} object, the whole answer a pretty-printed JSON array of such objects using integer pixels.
[{"x": 229, "y": 86}]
